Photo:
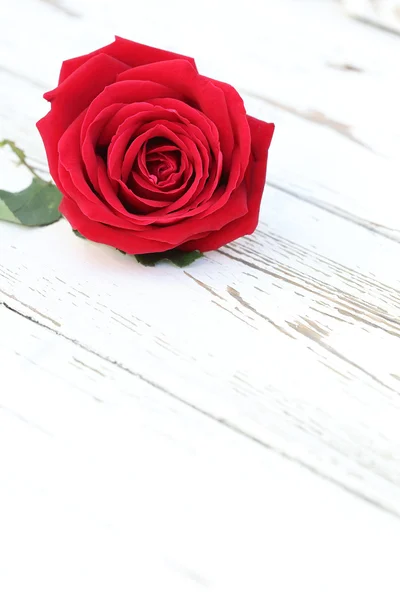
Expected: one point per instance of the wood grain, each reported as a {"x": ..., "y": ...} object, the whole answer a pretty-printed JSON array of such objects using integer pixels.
[
  {"x": 313, "y": 336},
  {"x": 138, "y": 494},
  {"x": 230, "y": 429}
]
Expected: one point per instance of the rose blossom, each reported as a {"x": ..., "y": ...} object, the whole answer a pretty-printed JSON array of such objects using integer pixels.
[{"x": 150, "y": 155}]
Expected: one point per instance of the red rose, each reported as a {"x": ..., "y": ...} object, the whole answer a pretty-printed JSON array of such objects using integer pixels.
[{"x": 149, "y": 155}]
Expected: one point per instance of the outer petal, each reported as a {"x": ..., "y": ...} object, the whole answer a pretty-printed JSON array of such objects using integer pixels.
[
  {"x": 71, "y": 98},
  {"x": 151, "y": 238},
  {"x": 240, "y": 125},
  {"x": 131, "y": 53},
  {"x": 261, "y": 135},
  {"x": 193, "y": 227},
  {"x": 123, "y": 239}
]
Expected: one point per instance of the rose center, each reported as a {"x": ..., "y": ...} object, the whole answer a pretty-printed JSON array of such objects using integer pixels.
[{"x": 162, "y": 159}]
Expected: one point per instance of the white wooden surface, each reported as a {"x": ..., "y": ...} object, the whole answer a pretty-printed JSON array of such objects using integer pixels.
[
  {"x": 230, "y": 430},
  {"x": 380, "y": 13}
]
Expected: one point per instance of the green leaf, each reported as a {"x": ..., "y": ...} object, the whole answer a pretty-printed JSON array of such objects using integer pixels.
[
  {"x": 36, "y": 205},
  {"x": 179, "y": 258},
  {"x": 78, "y": 234}
]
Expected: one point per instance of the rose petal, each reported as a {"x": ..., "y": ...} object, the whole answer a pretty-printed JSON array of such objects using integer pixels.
[
  {"x": 89, "y": 142},
  {"x": 240, "y": 126},
  {"x": 74, "y": 184},
  {"x": 126, "y": 92},
  {"x": 107, "y": 206},
  {"x": 120, "y": 164},
  {"x": 181, "y": 76},
  {"x": 131, "y": 53},
  {"x": 178, "y": 233},
  {"x": 261, "y": 135},
  {"x": 71, "y": 98},
  {"x": 182, "y": 141},
  {"x": 125, "y": 240}
]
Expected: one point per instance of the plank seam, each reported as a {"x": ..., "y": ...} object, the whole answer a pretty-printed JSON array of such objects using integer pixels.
[
  {"x": 222, "y": 421},
  {"x": 339, "y": 212}
]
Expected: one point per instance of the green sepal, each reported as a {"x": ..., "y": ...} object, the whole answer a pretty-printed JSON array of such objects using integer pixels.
[
  {"x": 179, "y": 258},
  {"x": 78, "y": 234}
]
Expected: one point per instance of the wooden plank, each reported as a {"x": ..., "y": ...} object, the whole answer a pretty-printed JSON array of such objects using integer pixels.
[
  {"x": 148, "y": 412},
  {"x": 317, "y": 164},
  {"x": 384, "y": 13},
  {"x": 282, "y": 256},
  {"x": 111, "y": 488},
  {"x": 290, "y": 336}
]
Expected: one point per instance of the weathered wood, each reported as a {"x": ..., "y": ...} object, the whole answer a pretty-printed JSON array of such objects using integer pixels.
[
  {"x": 109, "y": 487},
  {"x": 198, "y": 431},
  {"x": 380, "y": 13},
  {"x": 270, "y": 323}
]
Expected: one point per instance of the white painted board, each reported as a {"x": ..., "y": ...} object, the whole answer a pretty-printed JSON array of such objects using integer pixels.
[{"x": 230, "y": 429}]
